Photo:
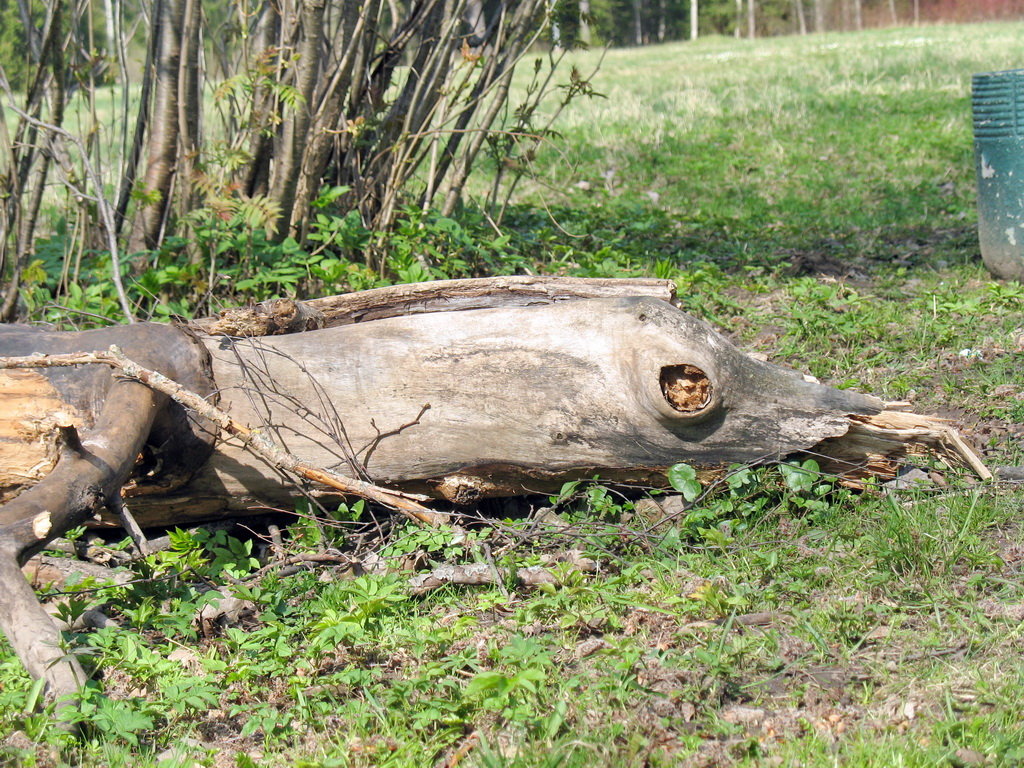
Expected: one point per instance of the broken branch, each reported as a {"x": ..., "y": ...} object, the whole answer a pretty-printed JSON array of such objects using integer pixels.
[
  {"x": 553, "y": 571},
  {"x": 253, "y": 439}
]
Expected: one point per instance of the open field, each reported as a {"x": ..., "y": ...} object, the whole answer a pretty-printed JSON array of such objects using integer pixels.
[
  {"x": 814, "y": 199},
  {"x": 788, "y": 141}
]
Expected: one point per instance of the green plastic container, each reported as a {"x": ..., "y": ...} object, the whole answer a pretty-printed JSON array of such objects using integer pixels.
[{"x": 998, "y": 105}]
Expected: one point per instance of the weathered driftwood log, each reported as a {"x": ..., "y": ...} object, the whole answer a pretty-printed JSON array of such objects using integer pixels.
[
  {"x": 458, "y": 405},
  {"x": 509, "y": 401}
]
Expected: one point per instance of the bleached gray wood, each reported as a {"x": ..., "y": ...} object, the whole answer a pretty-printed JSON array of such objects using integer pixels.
[{"x": 505, "y": 401}]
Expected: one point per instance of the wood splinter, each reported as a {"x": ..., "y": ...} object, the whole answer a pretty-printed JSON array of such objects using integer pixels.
[{"x": 68, "y": 431}]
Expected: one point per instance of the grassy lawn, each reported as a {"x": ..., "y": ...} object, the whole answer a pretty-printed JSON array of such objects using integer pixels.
[
  {"x": 788, "y": 142},
  {"x": 814, "y": 199}
]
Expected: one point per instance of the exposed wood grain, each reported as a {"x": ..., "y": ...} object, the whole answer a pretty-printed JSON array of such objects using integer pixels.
[
  {"x": 83, "y": 481},
  {"x": 877, "y": 445},
  {"x": 179, "y": 442},
  {"x": 30, "y": 409}
]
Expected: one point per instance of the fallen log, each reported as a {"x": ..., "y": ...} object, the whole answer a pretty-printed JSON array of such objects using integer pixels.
[
  {"x": 456, "y": 406},
  {"x": 545, "y": 385}
]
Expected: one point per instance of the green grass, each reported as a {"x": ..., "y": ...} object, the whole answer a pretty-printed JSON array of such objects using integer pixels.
[
  {"x": 786, "y": 142},
  {"x": 815, "y": 201},
  {"x": 869, "y": 630}
]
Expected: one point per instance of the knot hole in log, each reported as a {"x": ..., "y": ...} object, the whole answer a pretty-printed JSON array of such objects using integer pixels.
[{"x": 686, "y": 388}]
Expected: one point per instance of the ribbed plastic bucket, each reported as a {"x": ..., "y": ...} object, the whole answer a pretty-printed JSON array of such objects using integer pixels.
[{"x": 998, "y": 105}]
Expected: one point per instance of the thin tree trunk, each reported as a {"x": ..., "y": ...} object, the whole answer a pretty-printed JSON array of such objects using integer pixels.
[
  {"x": 662, "y": 21},
  {"x": 751, "y": 19},
  {"x": 500, "y": 78},
  {"x": 8, "y": 187},
  {"x": 893, "y": 18},
  {"x": 188, "y": 102},
  {"x": 419, "y": 100},
  {"x": 123, "y": 84},
  {"x": 917, "y": 12},
  {"x": 476, "y": 21},
  {"x": 31, "y": 33},
  {"x": 858, "y": 15},
  {"x": 295, "y": 135},
  {"x": 405, "y": 123},
  {"x": 109, "y": 15},
  {"x": 638, "y": 27},
  {"x": 396, "y": 17},
  {"x": 162, "y": 152},
  {"x": 134, "y": 155},
  {"x": 25, "y": 223},
  {"x": 819, "y": 15},
  {"x": 329, "y": 122},
  {"x": 801, "y": 19},
  {"x": 31, "y": 164},
  {"x": 694, "y": 19},
  {"x": 261, "y": 143},
  {"x": 738, "y": 32}
]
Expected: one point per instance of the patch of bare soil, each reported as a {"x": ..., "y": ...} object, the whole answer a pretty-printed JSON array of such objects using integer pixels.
[{"x": 833, "y": 263}]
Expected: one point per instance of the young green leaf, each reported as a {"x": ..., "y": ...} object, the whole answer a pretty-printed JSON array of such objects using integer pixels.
[{"x": 683, "y": 478}]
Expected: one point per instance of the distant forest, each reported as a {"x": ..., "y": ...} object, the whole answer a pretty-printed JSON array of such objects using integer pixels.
[
  {"x": 643, "y": 22},
  {"x": 653, "y": 21}
]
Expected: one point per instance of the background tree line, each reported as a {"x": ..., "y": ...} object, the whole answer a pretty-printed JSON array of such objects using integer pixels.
[
  {"x": 642, "y": 22},
  {"x": 595, "y": 22}
]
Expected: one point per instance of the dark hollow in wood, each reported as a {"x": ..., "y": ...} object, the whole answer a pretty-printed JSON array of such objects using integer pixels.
[{"x": 686, "y": 388}]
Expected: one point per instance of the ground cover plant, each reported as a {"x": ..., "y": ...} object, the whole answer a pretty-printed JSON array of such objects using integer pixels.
[{"x": 813, "y": 198}]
